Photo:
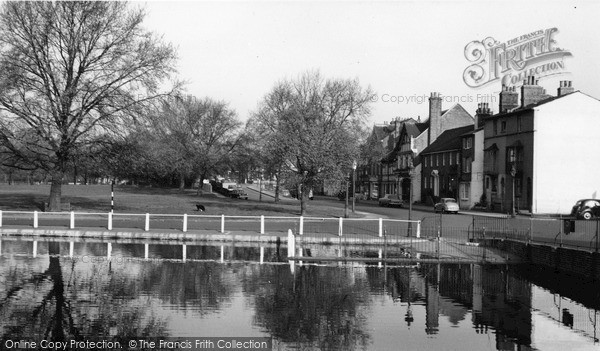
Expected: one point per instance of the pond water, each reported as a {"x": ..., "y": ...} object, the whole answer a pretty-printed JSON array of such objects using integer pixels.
[{"x": 58, "y": 290}]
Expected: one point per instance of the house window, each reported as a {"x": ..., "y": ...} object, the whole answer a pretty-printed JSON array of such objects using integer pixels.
[
  {"x": 467, "y": 143},
  {"x": 465, "y": 191},
  {"x": 451, "y": 158},
  {"x": 466, "y": 165},
  {"x": 519, "y": 123},
  {"x": 437, "y": 160},
  {"x": 457, "y": 158},
  {"x": 495, "y": 125},
  {"x": 503, "y": 127},
  {"x": 443, "y": 159}
]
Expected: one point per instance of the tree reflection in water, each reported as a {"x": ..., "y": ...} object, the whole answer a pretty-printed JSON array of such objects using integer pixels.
[
  {"x": 322, "y": 306},
  {"x": 63, "y": 302}
]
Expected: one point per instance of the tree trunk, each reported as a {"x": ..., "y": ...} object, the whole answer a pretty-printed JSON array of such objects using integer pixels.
[
  {"x": 55, "y": 192},
  {"x": 201, "y": 183},
  {"x": 303, "y": 197},
  {"x": 181, "y": 182},
  {"x": 276, "y": 189},
  {"x": 75, "y": 174}
]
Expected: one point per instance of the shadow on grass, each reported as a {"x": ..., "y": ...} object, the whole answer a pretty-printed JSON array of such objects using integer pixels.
[{"x": 22, "y": 202}]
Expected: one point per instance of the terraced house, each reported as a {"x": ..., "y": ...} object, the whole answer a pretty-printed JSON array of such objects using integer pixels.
[
  {"x": 416, "y": 137},
  {"x": 540, "y": 155}
]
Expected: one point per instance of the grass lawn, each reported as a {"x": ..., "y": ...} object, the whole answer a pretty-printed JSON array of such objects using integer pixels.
[{"x": 128, "y": 199}]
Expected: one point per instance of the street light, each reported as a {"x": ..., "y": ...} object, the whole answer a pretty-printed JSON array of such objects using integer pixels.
[
  {"x": 410, "y": 198},
  {"x": 353, "y": 184},
  {"x": 513, "y": 173},
  {"x": 346, "y": 206}
]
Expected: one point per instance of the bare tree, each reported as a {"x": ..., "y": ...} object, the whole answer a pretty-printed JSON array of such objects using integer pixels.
[
  {"x": 69, "y": 73},
  {"x": 195, "y": 137},
  {"x": 314, "y": 128}
]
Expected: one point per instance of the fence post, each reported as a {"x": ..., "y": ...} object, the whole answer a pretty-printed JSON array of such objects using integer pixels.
[
  {"x": 109, "y": 250},
  {"x": 71, "y": 248},
  {"x": 146, "y": 249},
  {"x": 380, "y": 227},
  {"x": 291, "y": 244},
  {"x": 262, "y": 254},
  {"x": 341, "y": 226},
  {"x": 184, "y": 229},
  {"x": 262, "y": 224},
  {"x": 301, "y": 227},
  {"x": 35, "y": 219},
  {"x": 34, "y": 248},
  {"x": 418, "y": 229},
  {"x": 184, "y": 253},
  {"x": 72, "y": 224},
  {"x": 0, "y": 218},
  {"x": 223, "y": 223},
  {"x": 110, "y": 214},
  {"x": 147, "y": 224}
]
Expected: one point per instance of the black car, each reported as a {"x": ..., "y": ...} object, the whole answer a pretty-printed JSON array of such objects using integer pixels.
[
  {"x": 238, "y": 194},
  {"x": 586, "y": 209}
]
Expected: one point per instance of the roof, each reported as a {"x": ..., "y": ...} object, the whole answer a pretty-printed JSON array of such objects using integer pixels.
[
  {"x": 530, "y": 106},
  {"x": 379, "y": 131},
  {"x": 448, "y": 140}
]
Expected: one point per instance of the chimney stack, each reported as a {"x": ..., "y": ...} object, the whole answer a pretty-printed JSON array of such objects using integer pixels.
[
  {"x": 435, "y": 114},
  {"x": 483, "y": 111},
  {"x": 565, "y": 88},
  {"x": 509, "y": 99},
  {"x": 531, "y": 92}
]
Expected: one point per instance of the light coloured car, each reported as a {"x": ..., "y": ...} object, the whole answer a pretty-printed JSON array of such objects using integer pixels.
[
  {"x": 446, "y": 204},
  {"x": 390, "y": 200}
]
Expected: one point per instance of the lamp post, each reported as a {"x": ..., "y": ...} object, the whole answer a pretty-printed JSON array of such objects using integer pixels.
[
  {"x": 410, "y": 198},
  {"x": 353, "y": 184},
  {"x": 346, "y": 206},
  {"x": 513, "y": 173}
]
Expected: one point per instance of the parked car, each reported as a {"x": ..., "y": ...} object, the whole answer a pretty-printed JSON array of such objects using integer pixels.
[
  {"x": 238, "y": 194},
  {"x": 586, "y": 209},
  {"x": 390, "y": 200},
  {"x": 446, "y": 204}
]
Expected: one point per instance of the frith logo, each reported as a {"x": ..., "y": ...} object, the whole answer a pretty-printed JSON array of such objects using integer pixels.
[{"x": 532, "y": 54}]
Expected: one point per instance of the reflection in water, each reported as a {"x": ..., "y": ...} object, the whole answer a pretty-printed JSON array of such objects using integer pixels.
[{"x": 222, "y": 290}]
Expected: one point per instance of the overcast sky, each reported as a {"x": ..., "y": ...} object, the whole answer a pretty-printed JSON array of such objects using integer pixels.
[{"x": 236, "y": 51}]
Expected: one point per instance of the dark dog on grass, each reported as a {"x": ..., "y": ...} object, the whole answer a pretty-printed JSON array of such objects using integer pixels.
[{"x": 200, "y": 208}]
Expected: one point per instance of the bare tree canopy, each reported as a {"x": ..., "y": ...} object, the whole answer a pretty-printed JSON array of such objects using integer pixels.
[
  {"x": 69, "y": 72},
  {"x": 193, "y": 137},
  {"x": 314, "y": 127}
]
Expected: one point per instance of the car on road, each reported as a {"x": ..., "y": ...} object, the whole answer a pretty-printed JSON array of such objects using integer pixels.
[
  {"x": 446, "y": 204},
  {"x": 389, "y": 200},
  {"x": 586, "y": 209},
  {"x": 238, "y": 194}
]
